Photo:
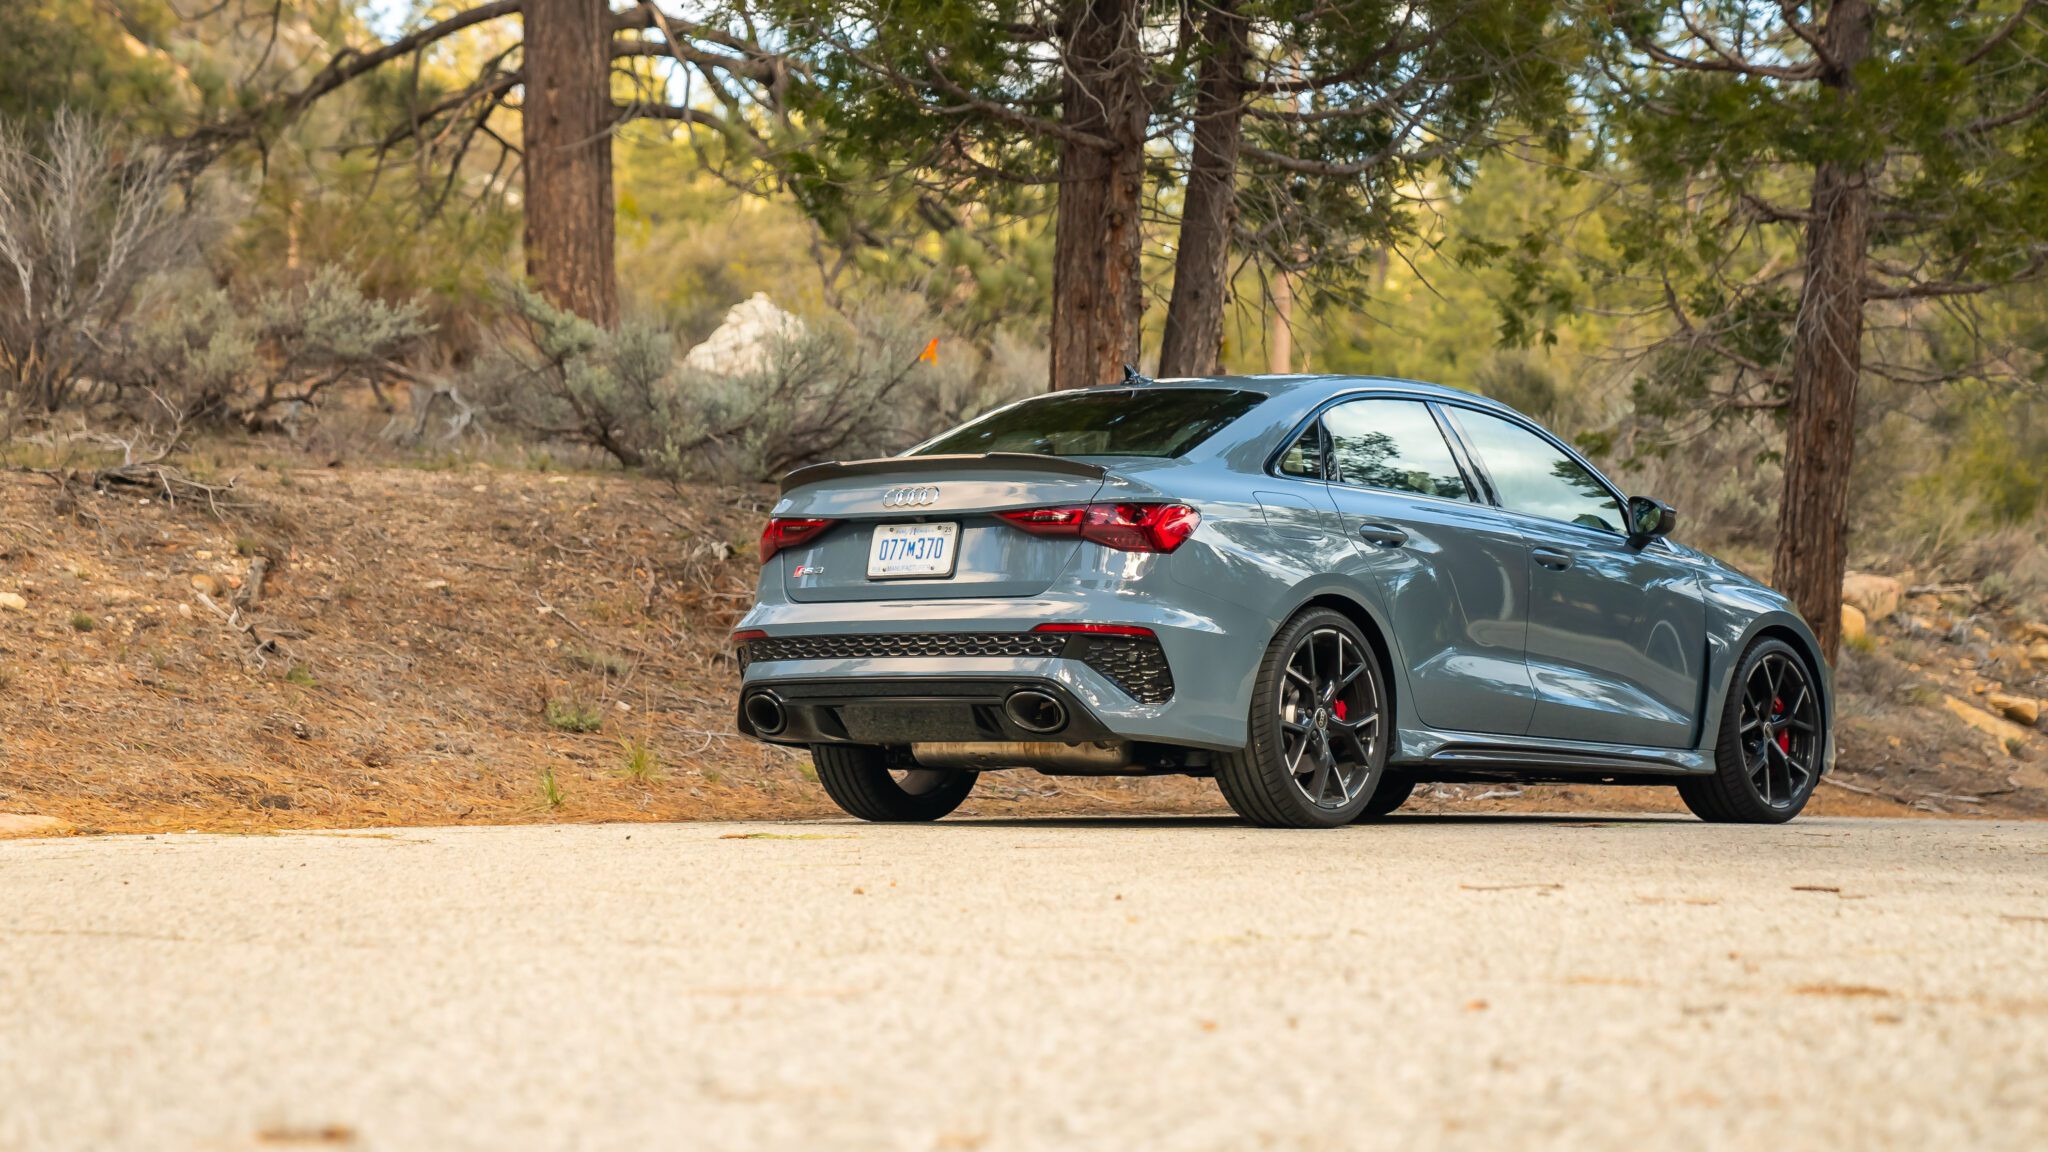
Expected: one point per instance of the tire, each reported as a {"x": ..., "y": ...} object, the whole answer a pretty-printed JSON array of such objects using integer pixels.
[
  {"x": 1767, "y": 756},
  {"x": 1318, "y": 733},
  {"x": 1393, "y": 792},
  {"x": 858, "y": 779}
]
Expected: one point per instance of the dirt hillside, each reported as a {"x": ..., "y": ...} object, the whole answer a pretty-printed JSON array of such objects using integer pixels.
[{"x": 351, "y": 647}]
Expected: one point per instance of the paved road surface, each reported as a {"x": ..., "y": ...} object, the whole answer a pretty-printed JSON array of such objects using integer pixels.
[{"x": 1137, "y": 984}]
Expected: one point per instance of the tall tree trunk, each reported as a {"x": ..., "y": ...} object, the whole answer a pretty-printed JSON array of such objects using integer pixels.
[
  {"x": 1201, "y": 268},
  {"x": 1280, "y": 344},
  {"x": 567, "y": 122},
  {"x": 1098, "y": 299},
  {"x": 1827, "y": 356}
]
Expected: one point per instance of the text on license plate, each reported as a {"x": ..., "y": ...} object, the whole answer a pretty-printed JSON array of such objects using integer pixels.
[{"x": 912, "y": 550}]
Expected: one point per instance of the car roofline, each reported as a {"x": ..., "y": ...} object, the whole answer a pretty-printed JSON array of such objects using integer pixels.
[{"x": 1325, "y": 383}]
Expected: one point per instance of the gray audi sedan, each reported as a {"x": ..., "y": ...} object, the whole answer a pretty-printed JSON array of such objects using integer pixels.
[{"x": 1322, "y": 591}]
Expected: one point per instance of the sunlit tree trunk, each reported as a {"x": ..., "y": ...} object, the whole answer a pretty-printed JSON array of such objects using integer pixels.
[
  {"x": 1820, "y": 441},
  {"x": 1098, "y": 299},
  {"x": 1280, "y": 343},
  {"x": 1201, "y": 269},
  {"x": 568, "y": 156}
]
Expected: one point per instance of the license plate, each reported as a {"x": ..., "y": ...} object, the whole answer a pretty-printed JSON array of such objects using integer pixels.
[{"x": 901, "y": 550}]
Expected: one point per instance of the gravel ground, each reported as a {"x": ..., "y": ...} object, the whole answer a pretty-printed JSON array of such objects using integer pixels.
[{"x": 1126, "y": 984}]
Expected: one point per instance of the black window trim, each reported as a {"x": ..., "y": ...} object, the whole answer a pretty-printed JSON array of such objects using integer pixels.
[{"x": 1473, "y": 493}]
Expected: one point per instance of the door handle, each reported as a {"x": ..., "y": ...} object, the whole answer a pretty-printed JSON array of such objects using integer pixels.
[
  {"x": 1385, "y": 535},
  {"x": 1551, "y": 558}
]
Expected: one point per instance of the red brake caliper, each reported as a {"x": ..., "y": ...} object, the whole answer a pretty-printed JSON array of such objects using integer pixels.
[
  {"x": 1337, "y": 708},
  {"x": 1784, "y": 735}
]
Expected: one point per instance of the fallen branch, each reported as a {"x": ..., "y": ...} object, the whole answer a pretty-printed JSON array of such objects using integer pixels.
[{"x": 260, "y": 645}]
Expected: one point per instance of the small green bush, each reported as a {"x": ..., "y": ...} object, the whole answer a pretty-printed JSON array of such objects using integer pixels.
[{"x": 573, "y": 716}]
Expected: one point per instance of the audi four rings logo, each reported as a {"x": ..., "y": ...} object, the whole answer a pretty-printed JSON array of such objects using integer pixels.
[{"x": 909, "y": 497}]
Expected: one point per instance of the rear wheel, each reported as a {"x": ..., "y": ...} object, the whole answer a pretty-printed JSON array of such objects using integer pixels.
[
  {"x": 1767, "y": 757},
  {"x": 860, "y": 781},
  {"x": 1318, "y": 728},
  {"x": 1391, "y": 794}
]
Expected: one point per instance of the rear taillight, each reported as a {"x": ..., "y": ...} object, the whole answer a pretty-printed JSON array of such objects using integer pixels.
[
  {"x": 1124, "y": 527},
  {"x": 1132, "y": 630},
  {"x": 788, "y": 532}
]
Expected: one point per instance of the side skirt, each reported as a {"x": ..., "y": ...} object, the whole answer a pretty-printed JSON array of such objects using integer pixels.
[{"x": 1452, "y": 756}]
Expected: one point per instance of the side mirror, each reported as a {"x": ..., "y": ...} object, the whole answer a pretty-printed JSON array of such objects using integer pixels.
[{"x": 1648, "y": 519}]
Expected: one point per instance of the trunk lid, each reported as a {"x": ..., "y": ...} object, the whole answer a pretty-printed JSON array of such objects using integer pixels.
[{"x": 990, "y": 558}]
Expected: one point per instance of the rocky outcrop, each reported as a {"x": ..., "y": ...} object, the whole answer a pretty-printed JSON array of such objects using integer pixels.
[{"x": 1875, "y": 596}]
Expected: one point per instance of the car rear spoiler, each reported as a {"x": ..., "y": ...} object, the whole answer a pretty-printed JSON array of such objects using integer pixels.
[{"x": 963, "y": 462}]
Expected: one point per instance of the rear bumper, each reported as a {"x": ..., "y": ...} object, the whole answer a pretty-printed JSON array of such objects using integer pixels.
[
  {"x": 1198, "y": 697},
  {"x": 1100, "y": 685},
  {"x": 908, "y": 710}
]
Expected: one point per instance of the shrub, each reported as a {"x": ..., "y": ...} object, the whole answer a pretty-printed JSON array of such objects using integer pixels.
[
  {"x": 839, "y": 386},
  {"x": 86, "y": 216},
  {"x": 573, "y": 716},
  {"x": 263, "y": 361}
]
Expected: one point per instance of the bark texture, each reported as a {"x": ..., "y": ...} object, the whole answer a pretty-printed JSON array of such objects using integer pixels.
[
  {"x": 1193, "y": 342},
  {"x": 1827, "y": 358},
  {"x": 567, "y": 122},
  {"x": 1098, "y": 298}
]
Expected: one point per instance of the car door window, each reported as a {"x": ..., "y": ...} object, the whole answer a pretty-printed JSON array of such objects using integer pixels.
[
  {"x": 1393, "y": 444},
  {"x": 1532, "y": 475}
]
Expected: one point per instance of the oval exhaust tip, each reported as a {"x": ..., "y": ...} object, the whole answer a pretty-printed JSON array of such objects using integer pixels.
[
  {"x": 765, "y": 713},
  {"x": 1034, "y": 711}
]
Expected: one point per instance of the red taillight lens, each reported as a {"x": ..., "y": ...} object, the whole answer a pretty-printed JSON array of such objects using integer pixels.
[
  {"x": 1096, "y": 629},
  {"x": 1125, "y": 527},
  {"x": 1140, "y": 527},
  {"x": 1048, "y": 521},
  {"x": 745, "y": 634},
  {"x": 787, "y": 532}
]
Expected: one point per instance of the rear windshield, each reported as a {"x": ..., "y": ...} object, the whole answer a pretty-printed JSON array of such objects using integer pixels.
[{"x": 1102, "y": 422}]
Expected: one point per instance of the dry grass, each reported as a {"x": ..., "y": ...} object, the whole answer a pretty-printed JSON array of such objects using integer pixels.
[
  {"x": 448, "y": 642},
  {"x": 485, "y": 645}
]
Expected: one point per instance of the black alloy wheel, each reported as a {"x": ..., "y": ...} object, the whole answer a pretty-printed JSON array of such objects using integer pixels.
[
  {"x": 1773, "y": 735},
  {"x": 1319, "y": 728}
]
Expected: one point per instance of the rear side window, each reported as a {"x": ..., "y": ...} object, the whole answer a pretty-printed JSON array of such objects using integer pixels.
[
  {"x": 1102, "y": 422},
  {"x": 1393, "y": 444},
  {"x": 1532, "y": 475},
  {"x": 1305, "y": 457}
]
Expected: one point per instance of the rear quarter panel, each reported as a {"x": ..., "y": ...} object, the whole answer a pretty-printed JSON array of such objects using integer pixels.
[{"x": 1247, "y": 572}]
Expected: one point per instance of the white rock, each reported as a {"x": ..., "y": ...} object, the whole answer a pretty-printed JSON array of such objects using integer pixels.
[
  {"x": 12, "y": 602},
  {"x": 748, "y": 337}
]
